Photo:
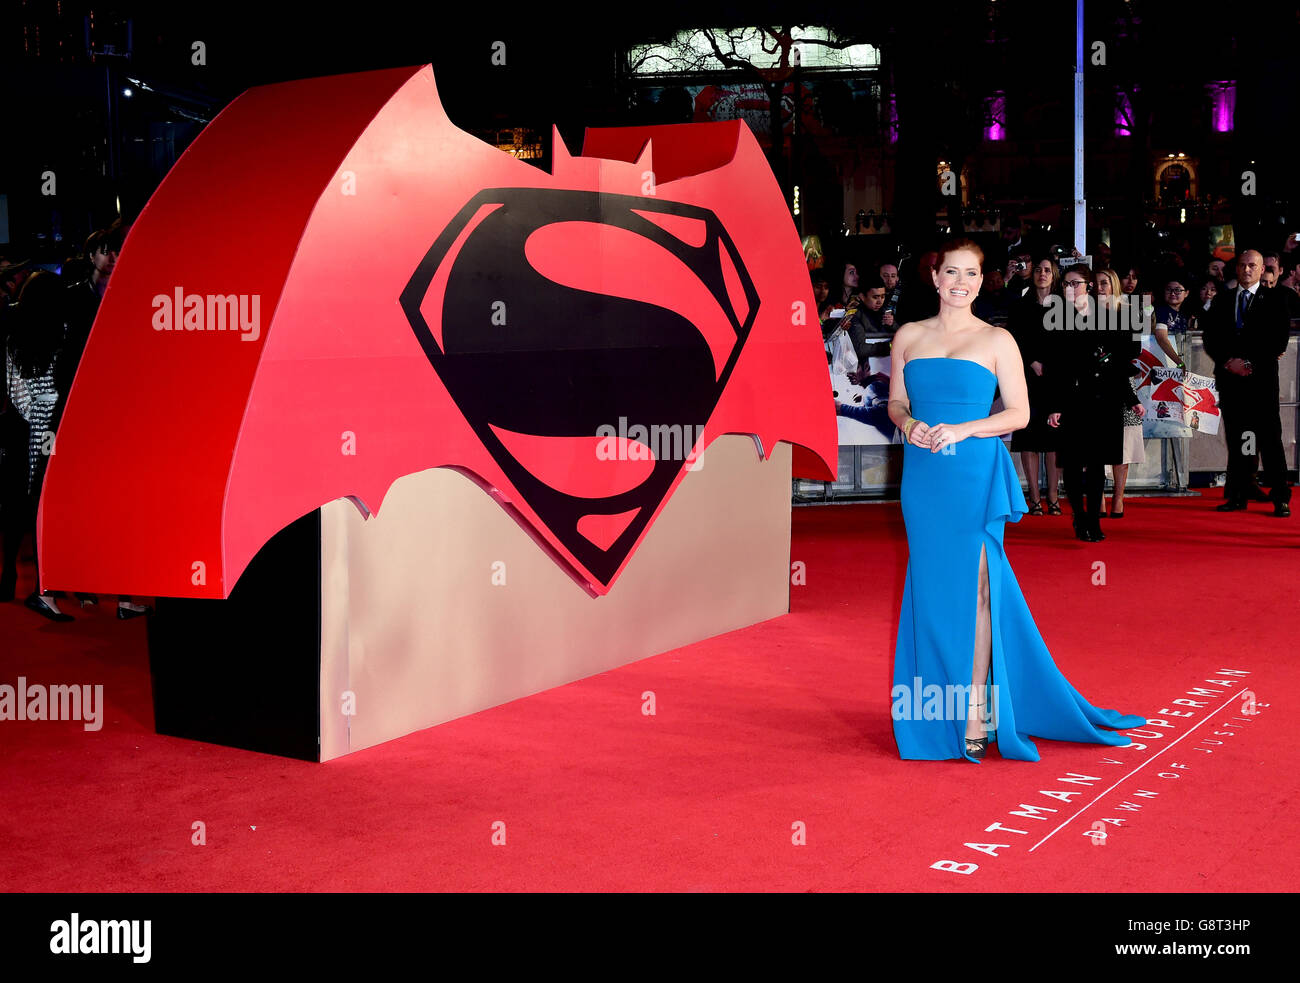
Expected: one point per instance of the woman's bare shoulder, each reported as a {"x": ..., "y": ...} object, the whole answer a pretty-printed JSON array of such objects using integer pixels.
[
  {"x": 909, "y": 332},
  {"x": 1001, "y": 342},
  {"x": 998, "y": 337}
]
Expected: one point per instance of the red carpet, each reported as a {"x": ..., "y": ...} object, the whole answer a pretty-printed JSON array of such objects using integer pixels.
[{"x": 785, "y": 722}]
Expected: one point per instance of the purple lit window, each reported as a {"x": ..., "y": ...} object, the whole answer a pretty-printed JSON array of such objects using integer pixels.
[
  {"x": 995, "y": 116},
  {"x": 1123, "y": 114},
  {"x": 1223, "y": 105}
]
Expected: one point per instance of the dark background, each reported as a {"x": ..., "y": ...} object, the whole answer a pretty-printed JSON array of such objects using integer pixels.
[{"x": 66, "y": 114}]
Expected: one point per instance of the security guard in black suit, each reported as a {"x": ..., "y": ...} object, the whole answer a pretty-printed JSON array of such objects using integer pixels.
[{"x": 1246, "y": 333}]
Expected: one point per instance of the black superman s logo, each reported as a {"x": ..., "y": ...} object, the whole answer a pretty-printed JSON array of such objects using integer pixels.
[{"x": 551, "y": 314}]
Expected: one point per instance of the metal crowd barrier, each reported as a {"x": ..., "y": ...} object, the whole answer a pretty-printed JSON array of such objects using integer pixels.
[{"x": 874, "y": 471}]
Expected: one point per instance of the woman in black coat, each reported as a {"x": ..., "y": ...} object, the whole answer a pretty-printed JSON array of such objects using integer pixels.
[
  {"x": 1025, "y": 322},
  {"x": 1089, "y": 369}
]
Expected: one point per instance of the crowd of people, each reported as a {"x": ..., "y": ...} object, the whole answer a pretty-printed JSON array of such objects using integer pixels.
[
  {"x": 1032, "y": 289},
  {"x": 45, "y": 321}
]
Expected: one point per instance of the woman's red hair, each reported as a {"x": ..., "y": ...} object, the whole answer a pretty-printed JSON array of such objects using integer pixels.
[{"x": 959, "y": 245}]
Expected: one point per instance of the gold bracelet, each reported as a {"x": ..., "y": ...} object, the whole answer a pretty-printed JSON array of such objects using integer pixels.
[{"x": 907, "y": 427}]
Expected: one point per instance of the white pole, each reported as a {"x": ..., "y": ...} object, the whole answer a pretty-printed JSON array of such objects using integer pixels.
[{"x": 1080, "y": 204}]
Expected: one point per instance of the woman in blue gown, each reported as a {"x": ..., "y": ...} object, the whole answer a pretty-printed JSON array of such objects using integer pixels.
[{"x": 969, "y": 664}]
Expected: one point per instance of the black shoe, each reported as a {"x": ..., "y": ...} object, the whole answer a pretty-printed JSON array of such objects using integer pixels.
[
  {"x": 40, "y": 607},
  {"x": 1083, "y": 532},
  {"x": 87, "y": 600},
  {"x": 1231, "y": 506},
  {"x": 126, "y": 614},
  {"x": 1097, "y": 534},
  {"x": 1282, "y": 510},
  {"x": 977, "y": 748},
  {"x": 1054, "y": 507}
]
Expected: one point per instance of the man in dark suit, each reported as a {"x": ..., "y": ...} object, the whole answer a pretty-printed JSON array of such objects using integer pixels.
[{"x": 1246, "y": 332}]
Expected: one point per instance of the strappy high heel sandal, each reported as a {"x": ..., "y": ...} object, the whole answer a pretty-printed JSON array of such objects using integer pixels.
[
  {"x": 1054, "y": 506},
  {"x": 976, "y": 747},
  {"x": 1036, "y": 507}
]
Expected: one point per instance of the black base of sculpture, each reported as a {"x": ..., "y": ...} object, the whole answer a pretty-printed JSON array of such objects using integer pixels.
[{"x": 245, "y": 671}]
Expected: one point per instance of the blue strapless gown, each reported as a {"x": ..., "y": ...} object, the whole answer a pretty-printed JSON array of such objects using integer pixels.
[{"x": 951, "y": 504}]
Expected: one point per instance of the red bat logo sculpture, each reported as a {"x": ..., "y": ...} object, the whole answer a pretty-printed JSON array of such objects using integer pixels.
[{"x": 335, "y": 287}]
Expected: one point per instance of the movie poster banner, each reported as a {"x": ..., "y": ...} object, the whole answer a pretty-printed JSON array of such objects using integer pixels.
[
  {"x": 1178, "y": 403},
  {"x": 862, "y": 404}
]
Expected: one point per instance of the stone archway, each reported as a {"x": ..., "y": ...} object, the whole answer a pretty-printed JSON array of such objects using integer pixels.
[{"x": 1175, "y": 180}]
